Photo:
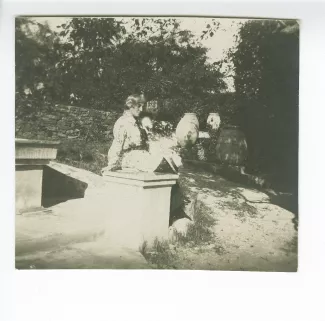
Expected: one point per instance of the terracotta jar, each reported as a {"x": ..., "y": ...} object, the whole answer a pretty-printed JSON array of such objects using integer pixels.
[
  {"x": 187, "y": 130},
  {"x": 231, "y": 148}
]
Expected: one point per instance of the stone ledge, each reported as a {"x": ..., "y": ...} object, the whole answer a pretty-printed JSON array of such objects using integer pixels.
[
  {"x": 141, "y": 179},
  {"x": 26, "y": 149},
  {"x": 23, "y": 141},
  {"x": 30, "y": 163}
]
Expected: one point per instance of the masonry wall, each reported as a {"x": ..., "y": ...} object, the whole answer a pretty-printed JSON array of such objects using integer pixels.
[{"x": 67, "y": 122}]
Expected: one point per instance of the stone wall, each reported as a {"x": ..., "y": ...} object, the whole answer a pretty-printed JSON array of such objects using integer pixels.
[{"x": 67, "y": 122}]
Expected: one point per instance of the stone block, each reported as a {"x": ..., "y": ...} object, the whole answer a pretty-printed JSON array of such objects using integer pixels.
[
  {"x": 35, "y": 149},
  {"x": 31, "y": 156},
  {"x": 137, "y": 205},
  {"x": 28, "y": 187}
]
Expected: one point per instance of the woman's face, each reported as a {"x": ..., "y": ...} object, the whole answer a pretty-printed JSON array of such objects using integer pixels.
[{"x": 136, "y": 109}]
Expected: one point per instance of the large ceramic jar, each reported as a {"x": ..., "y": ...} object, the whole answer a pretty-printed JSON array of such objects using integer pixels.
[
  {"x": 213, "y": 121},
  {"x": 187, "y": 130},
  {"x": 231, "y": 148}
]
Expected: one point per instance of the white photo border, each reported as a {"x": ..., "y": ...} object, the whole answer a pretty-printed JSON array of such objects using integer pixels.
[{"x": 176, "y": 295}]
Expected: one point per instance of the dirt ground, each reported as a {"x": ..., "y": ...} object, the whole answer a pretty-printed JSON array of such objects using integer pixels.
[{"x": 246, "y": 232}]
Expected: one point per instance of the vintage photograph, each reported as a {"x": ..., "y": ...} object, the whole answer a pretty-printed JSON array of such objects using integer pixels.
[{"x": 154, "y": 142}]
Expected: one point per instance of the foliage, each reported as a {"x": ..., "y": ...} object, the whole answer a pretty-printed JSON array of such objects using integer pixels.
[
  {"x": 201, "y": 231},
  {"x": 97, "y": 62},
  {"x": 87, "y": 155},
  {"x": 266, "y": 65},
  {"x": 199, "y": 234},
  {"x": 35, "y": 59},
  {"x": 179, "y": 67},
  {"x": 26, "y": 106},
  {"x": 159, "y": 254},
  {"x": 163, "y": 128},
  {"x": 87, "y": 61},
  {"x": 210, "y": 29}
]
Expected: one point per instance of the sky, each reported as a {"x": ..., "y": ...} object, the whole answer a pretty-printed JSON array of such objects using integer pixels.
[{"x": 218, "y": 44}]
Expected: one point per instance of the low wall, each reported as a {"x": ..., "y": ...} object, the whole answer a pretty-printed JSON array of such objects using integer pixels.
[{"x": 60, "y": 122}]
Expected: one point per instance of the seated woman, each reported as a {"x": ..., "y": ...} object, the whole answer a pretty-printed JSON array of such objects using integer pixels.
[
  {"x": 130, "y": 149},
  {"x": 128, "y": 134}
]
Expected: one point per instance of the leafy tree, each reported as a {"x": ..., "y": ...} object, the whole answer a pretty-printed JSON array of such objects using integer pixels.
[
  {"x": 154, "y": 56},
  {"x": 266, "y": 66},
  {"x": 87, "y": 50},
  {"x": 97, "y": 62},
  {"x": 178, "y": 68},
  {"x": 35, "y": 59}
]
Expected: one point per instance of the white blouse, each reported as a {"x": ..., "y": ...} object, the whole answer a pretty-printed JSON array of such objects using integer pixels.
[{"x": 128, "y": 136}]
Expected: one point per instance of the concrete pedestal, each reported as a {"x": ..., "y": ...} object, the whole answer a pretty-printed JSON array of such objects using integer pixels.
[
  {"x": 31, "y": 156},
  {"x": 138, "y": 207},
  {"x": 28, "y": 187}
]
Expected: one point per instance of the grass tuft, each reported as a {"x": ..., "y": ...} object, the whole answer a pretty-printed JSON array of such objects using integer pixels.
[{"x": 159, "y": 255}]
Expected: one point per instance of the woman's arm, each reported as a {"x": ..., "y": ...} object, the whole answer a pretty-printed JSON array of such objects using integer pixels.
[{"x": 115, "y": 152}]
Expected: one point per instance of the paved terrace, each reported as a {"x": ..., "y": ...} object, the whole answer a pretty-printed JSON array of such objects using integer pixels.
[{"x": 250, "y": 232}]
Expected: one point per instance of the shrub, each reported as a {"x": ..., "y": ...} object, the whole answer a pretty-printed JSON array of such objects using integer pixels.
[{"x": 87, "y": 155}]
